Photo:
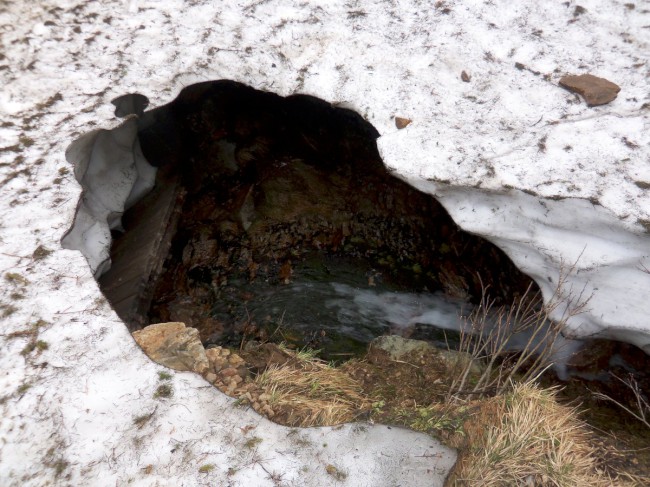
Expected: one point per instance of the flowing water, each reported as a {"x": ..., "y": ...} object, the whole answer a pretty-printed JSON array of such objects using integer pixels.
[{"x": 340, "y": 305}]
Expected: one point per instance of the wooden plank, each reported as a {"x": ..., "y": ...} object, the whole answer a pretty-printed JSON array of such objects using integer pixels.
[{"x": 139, "y": 253}]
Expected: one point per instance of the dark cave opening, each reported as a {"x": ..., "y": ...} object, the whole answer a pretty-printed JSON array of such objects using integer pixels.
[{"x": 260, "y": 198}]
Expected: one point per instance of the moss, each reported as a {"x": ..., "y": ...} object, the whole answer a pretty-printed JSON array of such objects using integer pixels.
[
  {"x": 40, "y": 253},
  {"x": 165, "y": 391},
  {"x": 26, "y": 141},
  {"x": 335, "y": 472},
  {"x": 15, "y": 278},
  {"x": 143, "y": 419},
  {"x": 7, "y": 309},
  {"x": 162, "y": 375}
]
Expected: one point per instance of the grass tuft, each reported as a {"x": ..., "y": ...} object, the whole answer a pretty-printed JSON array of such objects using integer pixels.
[
  {"x": 162, "y": 375},
  {"x": 527, "y": 438},
  {"x": 311, "y": 393},
  {"x": 164, "y": 390}
]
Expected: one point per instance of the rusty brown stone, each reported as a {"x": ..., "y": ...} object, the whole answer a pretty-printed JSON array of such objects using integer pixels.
[
  {"x": 174, "y": 345},
  {"x": 214, "y": 358},
  {"x": 229, "y": 372},
  {"x": 596, "y": 91},
  {"x": 401, "y": 123}
]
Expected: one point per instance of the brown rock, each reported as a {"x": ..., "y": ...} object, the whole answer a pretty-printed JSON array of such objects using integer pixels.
[
  {"x": 173, "y": 345},
  {"x": 401, "y": 123},
  {"x": 215, "y": 358},
  {"x": 266, "y": 355},
  {"x": 595, "y": 90},
  {"x": 229, "y": 372}
]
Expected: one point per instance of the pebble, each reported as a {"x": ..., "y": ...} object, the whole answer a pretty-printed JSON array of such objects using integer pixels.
[{"x": 596, "y": 91}]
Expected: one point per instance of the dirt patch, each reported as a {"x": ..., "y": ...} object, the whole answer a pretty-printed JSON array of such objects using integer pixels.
[{"x": 297, "y": 389}]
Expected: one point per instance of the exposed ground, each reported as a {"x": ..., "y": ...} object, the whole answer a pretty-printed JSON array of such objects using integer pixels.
[{"x": 532, "y": 435}]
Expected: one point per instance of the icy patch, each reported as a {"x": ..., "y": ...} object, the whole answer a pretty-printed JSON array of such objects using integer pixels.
[{"x": 396, "y": 310}]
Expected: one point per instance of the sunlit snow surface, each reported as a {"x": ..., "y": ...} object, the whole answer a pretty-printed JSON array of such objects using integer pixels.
[{"x": 499, "y": 152}]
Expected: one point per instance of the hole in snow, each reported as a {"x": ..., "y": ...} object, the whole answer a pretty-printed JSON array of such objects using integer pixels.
[{"x": 248, "y": 215}]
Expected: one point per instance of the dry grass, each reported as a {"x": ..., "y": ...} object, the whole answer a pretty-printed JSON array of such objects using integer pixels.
[
  {"x": 528, "y": 438},
  {"x": 641, "y": 408},
  {"x": 491, "y": 335},
  {"x": 309, "y": 392}
]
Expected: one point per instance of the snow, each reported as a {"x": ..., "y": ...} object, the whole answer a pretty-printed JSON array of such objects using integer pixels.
[
  {"x": 512, "y": 156},
  {"x": 114, "y": 175}
]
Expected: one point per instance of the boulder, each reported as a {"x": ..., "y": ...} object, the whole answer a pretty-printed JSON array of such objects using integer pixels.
[{"x": 173, "y": 345}]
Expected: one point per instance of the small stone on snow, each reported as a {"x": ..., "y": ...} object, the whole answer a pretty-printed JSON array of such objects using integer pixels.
[
  {"x": 596, "y": 91},
  {"x": 401, "y": 123}
]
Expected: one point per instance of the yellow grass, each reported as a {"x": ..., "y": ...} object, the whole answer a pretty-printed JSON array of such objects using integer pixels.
[
  {"x": 311, "y": 393},
  {"x": 530, "y": 439}
]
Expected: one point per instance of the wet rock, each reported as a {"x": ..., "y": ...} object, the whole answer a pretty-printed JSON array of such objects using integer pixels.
[
  {"x": 266, "y": 355},
  {"x": 229, "y": 367},
  {"x": 173, "y": 345},
  {"x": 399, "y": 348},
  {"x": 595, "y": 90}
]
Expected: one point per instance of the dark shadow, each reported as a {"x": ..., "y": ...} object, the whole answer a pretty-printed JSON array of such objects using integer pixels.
[{"x": 279, "y": 192}]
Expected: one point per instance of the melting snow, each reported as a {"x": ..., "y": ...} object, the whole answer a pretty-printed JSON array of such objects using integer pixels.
[{"x": 510, "y": 154}]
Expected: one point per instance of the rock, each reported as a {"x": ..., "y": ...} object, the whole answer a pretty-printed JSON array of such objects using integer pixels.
[
  {"x": 398, "y": 347},
  {"x": 266, "y": 355},
  {"x": 596, "y": 91},
  {"x": 215, "y": 358},
  {"x": 229, "y": 372},
  {"x": 458, "y": 360},
  {"x": 401, "y": 123},
  {"x": 173, "y": 345}
]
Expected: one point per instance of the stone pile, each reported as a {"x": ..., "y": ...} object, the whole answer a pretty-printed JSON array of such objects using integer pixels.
[{"x": 178, "y": 347}]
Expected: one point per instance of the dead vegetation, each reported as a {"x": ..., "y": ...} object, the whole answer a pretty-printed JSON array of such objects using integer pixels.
[
  {"x": 310, "y": 392},
  {"x": 525, "y": 437},
  {"x": 640, "y": 409},
  {"x": 509, "y": 342},
  {"x": 483, "y": 400},
  {"x": 522, "y": 436}
]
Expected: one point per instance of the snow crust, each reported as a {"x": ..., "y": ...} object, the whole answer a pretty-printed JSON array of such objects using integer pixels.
[
  {"x": 510, "y": 154},
  {"x": 113, "y": 175}
]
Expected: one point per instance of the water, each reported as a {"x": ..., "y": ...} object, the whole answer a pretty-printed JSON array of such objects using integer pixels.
[
  {"x": 336, "y": 304},
  {"x": 340, "y": 305}
]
